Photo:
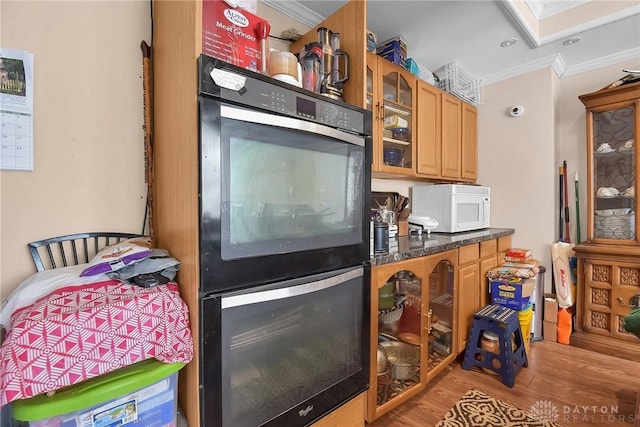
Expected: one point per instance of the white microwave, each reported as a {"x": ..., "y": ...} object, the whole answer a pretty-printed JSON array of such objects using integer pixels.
[{"x": 456, "y": 207}]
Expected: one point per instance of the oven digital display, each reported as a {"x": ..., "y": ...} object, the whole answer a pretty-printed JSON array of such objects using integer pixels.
[{"x": 305, "y": 108}]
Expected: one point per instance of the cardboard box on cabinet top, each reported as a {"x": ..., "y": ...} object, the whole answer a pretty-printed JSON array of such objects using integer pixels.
[
  {"x": 512, "y": 292},
  {"x": 231, "y": 34}
]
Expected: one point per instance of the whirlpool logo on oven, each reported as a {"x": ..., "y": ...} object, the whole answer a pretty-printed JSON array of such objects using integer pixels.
[{"x": 236, "y": 17}]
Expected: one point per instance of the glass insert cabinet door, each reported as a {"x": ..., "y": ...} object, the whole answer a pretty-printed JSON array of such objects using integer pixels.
[
  {"x": 390, "y": 96},
  {"x": 414, "y": 336},
  {"x": 613, "y": 155},
  {"x": 614, "y": 174}
]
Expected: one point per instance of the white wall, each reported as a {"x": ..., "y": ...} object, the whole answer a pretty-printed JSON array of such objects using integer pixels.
[
  {"x": 88, "y": 116},
  {"x": 515, "y": 158}
]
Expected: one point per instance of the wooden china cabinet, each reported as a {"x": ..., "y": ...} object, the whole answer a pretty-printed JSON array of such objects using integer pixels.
[
  {"x": 391, "y": 97},
  {"x": 416, "y": 334},
  {"x": 609, "y": 260}
]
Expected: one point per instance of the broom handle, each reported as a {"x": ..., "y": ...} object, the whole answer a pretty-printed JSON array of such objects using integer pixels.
[
  {"x": 560, "y": 221},
  {"x": 567, "y": 237}
]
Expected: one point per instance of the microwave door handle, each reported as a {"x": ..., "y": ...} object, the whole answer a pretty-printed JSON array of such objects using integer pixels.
[
  {"x": 485, "y": 209},
  {"x": 257, "y": 117}
]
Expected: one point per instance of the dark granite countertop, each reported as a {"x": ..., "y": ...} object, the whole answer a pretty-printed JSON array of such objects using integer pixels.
[{"x": 414, "y": 246}]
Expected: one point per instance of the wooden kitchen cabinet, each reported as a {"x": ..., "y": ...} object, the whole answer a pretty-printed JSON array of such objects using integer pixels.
[
  {"x": 451, "y": 136},
  {"x": 440, "y": 328},
  {"x": 385, "y": 392},
  {"x": 447, "y": 136},
  {"x": 390, "y": 96},
  {"x": 609, "y": 260},
  {"x": 474, "y": 261},
  {"x": 468, "y": 296},
  {"x": 424, "y": 298},
  {"x": 429, "y": 150},
  {"x": 351, "y": 414},
  {"x": 469, "y": 143}
]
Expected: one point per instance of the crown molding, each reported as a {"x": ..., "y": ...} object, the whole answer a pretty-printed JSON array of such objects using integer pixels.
[
  {"x": 532, "y": 36},
  {"x": 616, "y": 58},
  {"x": 590, "y": 25},
  {"x": 560, "y": 68},
  {"x": 296, "y": 11},
  {"x": 517, "y": 18},
  {"x": 547, "y": 61}
]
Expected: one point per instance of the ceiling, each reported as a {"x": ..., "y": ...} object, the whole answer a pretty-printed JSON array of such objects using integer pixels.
[{"x": 471, "y": 31}]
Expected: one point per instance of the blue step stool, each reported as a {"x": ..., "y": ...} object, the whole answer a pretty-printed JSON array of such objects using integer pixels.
[{"x": 504, "y": 322}]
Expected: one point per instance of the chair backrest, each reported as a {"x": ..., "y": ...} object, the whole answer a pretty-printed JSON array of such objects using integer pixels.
[{"x": 72, "y": 249}]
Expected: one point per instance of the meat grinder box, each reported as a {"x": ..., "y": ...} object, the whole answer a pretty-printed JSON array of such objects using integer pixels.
[
  {"x": 512, "y": 292},
  {"x": 231, "y": 34},
  {"x": 138, "y": 395}
]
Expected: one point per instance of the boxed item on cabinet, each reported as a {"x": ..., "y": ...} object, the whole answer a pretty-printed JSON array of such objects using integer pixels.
[
  {"x": 512, "y": 292},
  {"x": 231, "y": 34},
  {"x": 372, "y": 41},
  {"x": 396, "y": 43}
]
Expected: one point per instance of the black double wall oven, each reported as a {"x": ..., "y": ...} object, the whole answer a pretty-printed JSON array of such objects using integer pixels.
[{"x": 284, "y": 247}]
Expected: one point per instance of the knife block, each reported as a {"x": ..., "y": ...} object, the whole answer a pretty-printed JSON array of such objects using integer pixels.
[{"x": 403, "y": 228}]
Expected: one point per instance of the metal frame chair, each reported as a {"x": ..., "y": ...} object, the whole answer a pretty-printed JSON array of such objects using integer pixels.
[{"x": 73, "y": 249}]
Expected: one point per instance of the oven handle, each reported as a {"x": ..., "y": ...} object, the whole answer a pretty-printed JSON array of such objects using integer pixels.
[
  {"x": 292, "y": 291},
  {"x": 258, "y": 117}
]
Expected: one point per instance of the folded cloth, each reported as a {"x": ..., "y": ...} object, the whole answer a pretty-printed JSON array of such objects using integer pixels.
[
  {"x": 42, "y": 283},
  {"x": 73, "y": 334}
]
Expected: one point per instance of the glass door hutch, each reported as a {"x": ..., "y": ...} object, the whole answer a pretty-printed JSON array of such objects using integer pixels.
[{"x": 609, "y": 260}]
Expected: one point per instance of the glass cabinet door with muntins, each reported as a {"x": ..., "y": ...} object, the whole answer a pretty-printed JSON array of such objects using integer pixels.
[
  {"x": 612, "y": 161},
  {"x": 614, "y": 173},
  {"x": 439, "y": 322},
  {"x": 391, "y": 98},
  {"x": 397, "y": 345}
]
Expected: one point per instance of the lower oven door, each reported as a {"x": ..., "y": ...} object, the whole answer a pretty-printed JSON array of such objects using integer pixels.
[{"x": 286, "y": 354}]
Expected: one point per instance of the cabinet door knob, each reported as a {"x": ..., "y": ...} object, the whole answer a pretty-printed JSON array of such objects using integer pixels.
[{"x": 634, "y": 302}]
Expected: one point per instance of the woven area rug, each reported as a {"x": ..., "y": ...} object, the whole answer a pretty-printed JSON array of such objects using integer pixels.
[{"x": 476, "y": 409}]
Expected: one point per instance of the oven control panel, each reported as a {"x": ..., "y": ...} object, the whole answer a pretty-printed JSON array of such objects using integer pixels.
[{"x": 254, "y": 90}]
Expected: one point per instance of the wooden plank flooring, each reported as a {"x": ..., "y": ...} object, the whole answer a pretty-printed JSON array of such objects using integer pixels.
[{"x": 588, "y": 389}]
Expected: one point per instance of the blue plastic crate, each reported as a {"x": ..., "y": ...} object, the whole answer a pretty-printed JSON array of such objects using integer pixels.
[{"x": 394, "y": 57}]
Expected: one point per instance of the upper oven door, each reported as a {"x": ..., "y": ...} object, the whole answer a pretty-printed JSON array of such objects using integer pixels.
[{"x": 280, "y": 197}]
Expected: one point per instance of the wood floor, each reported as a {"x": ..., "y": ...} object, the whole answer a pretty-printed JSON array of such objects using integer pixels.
[{"x": 588, "y": 389}]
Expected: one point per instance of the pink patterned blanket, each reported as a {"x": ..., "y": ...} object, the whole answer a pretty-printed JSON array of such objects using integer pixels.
[{"x": 77, "y": 333}]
